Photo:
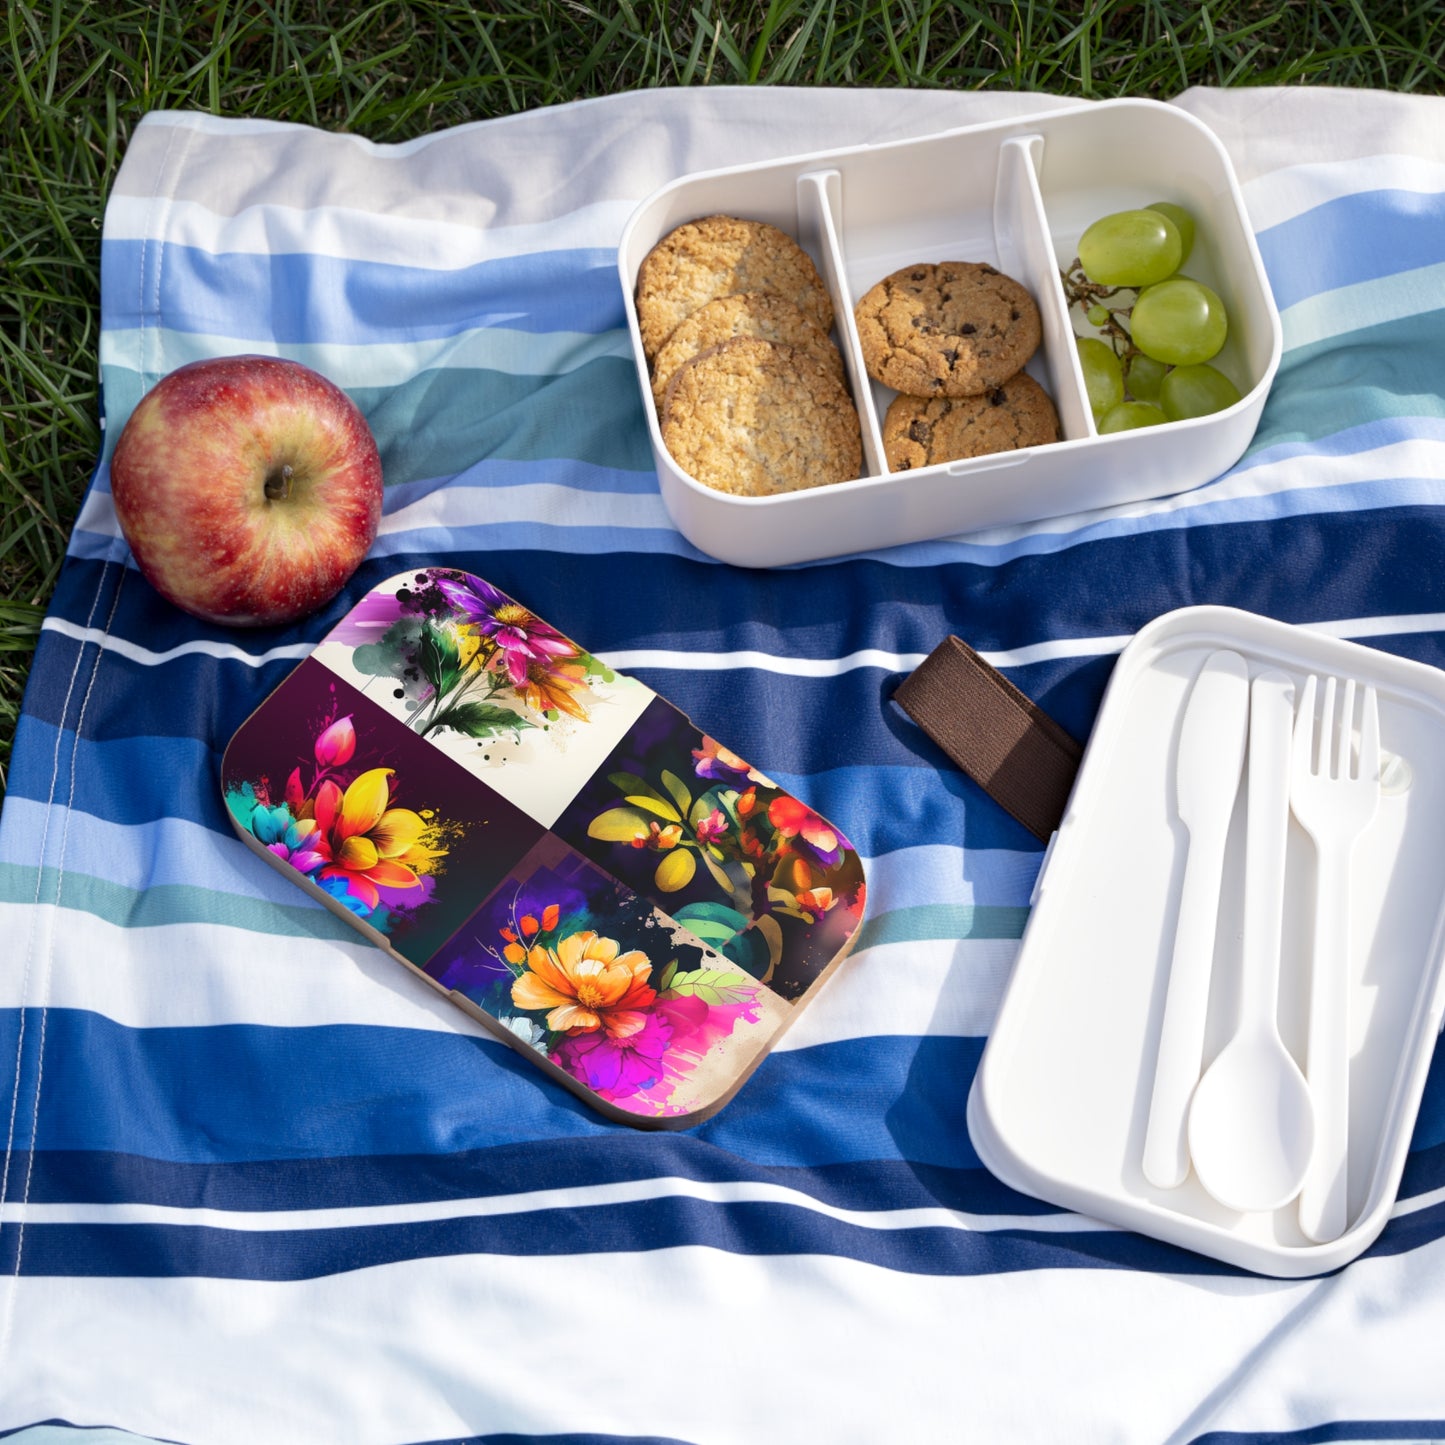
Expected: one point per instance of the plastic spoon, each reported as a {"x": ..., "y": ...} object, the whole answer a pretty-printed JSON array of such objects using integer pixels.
[
  {"x": 1251, "y": 1122},
  {"x": 1211, "y": 754}
]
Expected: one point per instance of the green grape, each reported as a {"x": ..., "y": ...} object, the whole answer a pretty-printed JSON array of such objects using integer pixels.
[
  {"x": 1179, "y": 322},
  {"x": 1129, "y": 415},
  {"x": 1196, "y": 391},
  {"x": 1130, "y": 248},
  {"x": 1144, "y": 376},
  {"x": 1098, "y": 315},
  {"x": 1103, "y": 376},
  {"x": 1183, "y": 223}
]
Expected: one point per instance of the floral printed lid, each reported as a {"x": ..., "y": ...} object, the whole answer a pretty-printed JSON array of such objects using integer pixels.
[{"x": 608, "y": 890}]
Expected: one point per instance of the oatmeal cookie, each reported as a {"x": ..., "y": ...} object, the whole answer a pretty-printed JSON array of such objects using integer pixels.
[
  {"x": 753, "y": 418},
  {"x": 956, "y": 328},
  {"x": 717, "y": 256},
  {"x": 748, "y": 313}
]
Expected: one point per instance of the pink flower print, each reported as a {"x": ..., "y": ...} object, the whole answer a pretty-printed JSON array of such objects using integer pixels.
[
  {"x": 711, "y": 828},
  {"x": 617, "y": 1068},
  {"x": 522, "y": 637},
  {"x": 336, "y": 744}
]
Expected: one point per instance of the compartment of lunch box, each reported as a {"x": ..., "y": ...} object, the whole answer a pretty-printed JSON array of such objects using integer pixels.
[
  {"x": 963, "y": 196},
  {"x": 791, "y": 196},
  {"x": 1122, "y": 161}
]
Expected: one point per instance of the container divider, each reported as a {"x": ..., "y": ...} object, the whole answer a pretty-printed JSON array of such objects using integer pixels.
[
  {"x": 820, "y": 222},
  {"x": 1026, "y": 251}
]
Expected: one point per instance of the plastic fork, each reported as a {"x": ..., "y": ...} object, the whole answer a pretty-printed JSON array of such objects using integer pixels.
[{"x": 1334, "y": 794}]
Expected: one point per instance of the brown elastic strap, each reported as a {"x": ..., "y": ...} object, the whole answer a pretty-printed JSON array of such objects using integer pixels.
[{"x": 1008, "y": 745}]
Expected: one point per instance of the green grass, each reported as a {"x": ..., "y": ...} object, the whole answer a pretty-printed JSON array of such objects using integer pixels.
[{"x": 75, "y": 78}]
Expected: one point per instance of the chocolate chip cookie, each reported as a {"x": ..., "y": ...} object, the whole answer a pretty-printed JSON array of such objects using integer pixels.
[
  {"x": 753, "y": 418},
  {"x": 749, "y": 313},
  {"x": 717, "y": 256},
  {"x": 918, "y": 432},
  {"x": 955, "y": 328}
]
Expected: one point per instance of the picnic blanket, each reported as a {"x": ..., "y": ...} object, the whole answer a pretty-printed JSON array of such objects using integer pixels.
[{"x": 259, "y": 1184}]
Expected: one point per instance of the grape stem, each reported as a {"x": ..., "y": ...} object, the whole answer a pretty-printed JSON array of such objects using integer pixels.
[{"x": 1085, "y": 294}]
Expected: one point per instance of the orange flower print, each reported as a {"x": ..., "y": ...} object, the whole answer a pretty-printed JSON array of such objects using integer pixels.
[
  {"x": 815, "y": 902},
  {"x": 806, "y": 831},
  {"x": 587, "y": 986},
  {"x": 658, "y": 837},
  {"x": 551, "y": 687}
]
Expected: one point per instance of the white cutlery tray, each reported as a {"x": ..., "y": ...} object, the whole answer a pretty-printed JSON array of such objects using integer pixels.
[
  {"x": 1017, "y": 195},
  {"x": 1060, "y": 1104}
]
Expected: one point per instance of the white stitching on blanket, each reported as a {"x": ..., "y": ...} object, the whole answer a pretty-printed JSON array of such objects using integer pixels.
[
  {"x": 44, "y": 989},
  {"x": 30, "y": 950}
]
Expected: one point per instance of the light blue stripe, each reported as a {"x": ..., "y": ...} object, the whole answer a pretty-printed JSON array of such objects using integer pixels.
[
  {"x": 487, "y": 348},
  {"x": 307, "y": 299},
  {"x": 539, "y": 536},
  {"x": 174, "y": 852},
  {"x": 168, "y": 852},
  {"x": 491, "y": 472},
  {"x": 1352, "y": 238}
]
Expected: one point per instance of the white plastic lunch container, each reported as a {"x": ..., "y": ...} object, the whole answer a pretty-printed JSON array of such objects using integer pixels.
[
  {"x": 1060, "y": 1104},
  {"x": 1016, "y": 195}
]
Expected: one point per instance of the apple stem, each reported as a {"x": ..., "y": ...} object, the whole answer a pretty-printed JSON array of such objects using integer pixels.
[{"x": 278, "y": 484}]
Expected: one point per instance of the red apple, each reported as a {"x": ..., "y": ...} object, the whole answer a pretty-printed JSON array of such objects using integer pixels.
[{"x": 249, "y": 489}]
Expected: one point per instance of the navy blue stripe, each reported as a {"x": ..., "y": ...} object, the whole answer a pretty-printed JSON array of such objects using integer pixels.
[
  {"x": 1298, "y": 569},
  {"x": 1353, "y": 238},
  {"x": 793, "y": 728},
  {"x": 299, "y": 297},
  {"x": 755, "y": 1229},
  {"x": 1410, "y": 1231},
  {"x": 205, "y": 1094},
  {"x": 567, "y": 1439},
  {"x": 73, "y": 1177},
  {"x": 1417, "y": 1432},
  {"x": 198, "y": 695},
  {"x": 570, "y": 1438},
  {"x": 1425, "y": 1164}
]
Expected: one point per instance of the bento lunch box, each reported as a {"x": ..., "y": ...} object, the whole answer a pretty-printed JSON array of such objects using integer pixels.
[
  {"x": 1061, "y": 1103},
  {"x": 1016, "y": 195}
]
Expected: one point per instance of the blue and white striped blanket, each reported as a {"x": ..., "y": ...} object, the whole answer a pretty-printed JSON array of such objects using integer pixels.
[{"x": 260, "y": 1185}]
